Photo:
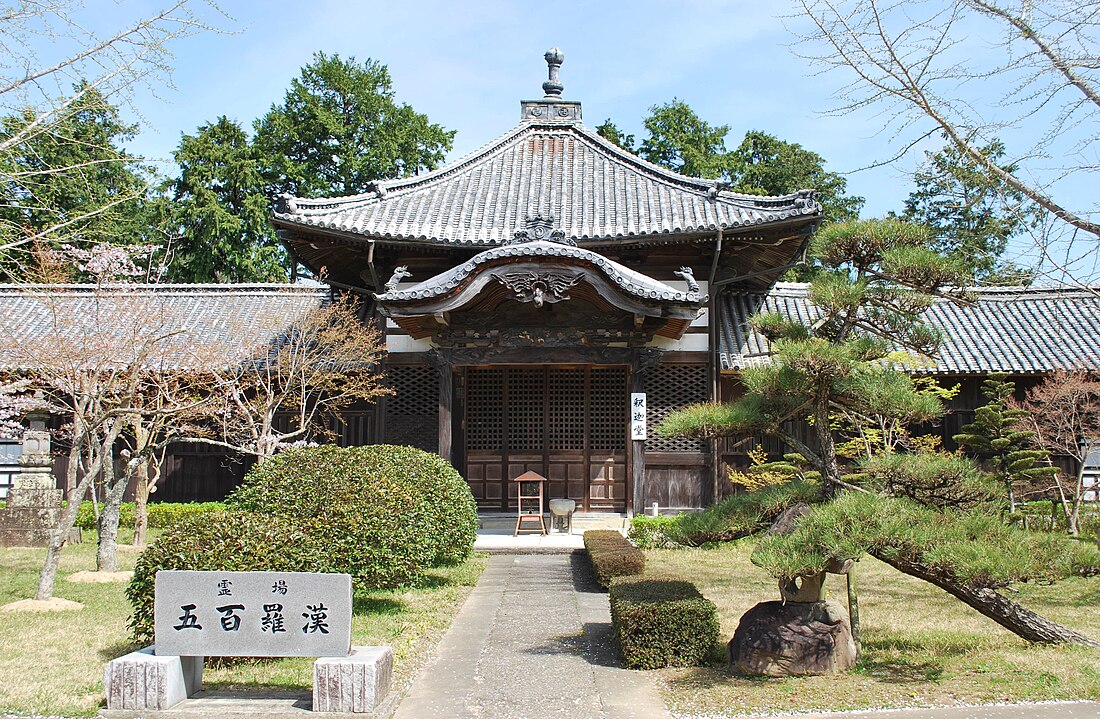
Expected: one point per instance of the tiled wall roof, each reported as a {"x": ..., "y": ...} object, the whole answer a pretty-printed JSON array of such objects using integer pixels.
[
  {"x": 1013, "y": 330},
  {"x": 197, "y": 321}
]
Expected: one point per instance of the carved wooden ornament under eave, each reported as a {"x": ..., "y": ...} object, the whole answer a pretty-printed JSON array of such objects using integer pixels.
[{"x": 539, "y": 287}]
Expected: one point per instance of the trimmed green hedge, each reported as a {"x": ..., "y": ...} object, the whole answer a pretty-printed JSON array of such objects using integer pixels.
[
  {"x": 382, "y": 513},
  {"x": 612, "y": 555},
  {"x": 162, "y": 515},
  {"x": 219, "y": 540},
  {"x": 662, "y": 622}
]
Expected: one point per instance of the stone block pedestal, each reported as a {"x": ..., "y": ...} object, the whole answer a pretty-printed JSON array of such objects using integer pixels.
[
  {"x": 31, "y": 515},
  {"x": 144, "y": 681},
  {"x": 353, "y": 684},
  {"x": 783, "y": 639},
  {"x": 33, "y": 504}
]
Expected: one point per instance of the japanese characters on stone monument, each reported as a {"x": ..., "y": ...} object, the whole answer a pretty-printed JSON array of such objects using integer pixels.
[{"x": 252, "y": 614}]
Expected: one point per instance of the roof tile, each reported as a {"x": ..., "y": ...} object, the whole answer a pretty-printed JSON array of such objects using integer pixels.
[
  {"x": 1017, "y": 330},
  {"x": 594, "y": 189}
]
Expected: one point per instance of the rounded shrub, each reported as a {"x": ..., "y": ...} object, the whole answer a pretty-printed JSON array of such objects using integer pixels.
[
  {"x": 231, "y": 541},
  {"x": 382, "y": 513}
]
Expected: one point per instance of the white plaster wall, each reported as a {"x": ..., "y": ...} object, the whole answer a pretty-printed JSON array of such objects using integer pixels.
[
  {"x": 404, "y": 343},
  {"x": 689, "y": 342}
]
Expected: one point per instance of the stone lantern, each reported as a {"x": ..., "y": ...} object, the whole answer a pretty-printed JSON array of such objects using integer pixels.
[{"x": 34, "y": 503}]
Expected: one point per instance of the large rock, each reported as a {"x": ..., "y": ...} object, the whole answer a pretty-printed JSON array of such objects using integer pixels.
[{"x": 787, "y": 639}]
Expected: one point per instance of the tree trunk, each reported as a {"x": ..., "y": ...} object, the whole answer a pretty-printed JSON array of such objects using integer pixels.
[
  {"x": 142, "y": 484},
  {"x": 830, "y": 472},
  {"x": 60, "y": 534},
  {"x": 853, "y": 610},
  {"x": 141, "y": 504},
  {"x": 1015, "y": 618},
  {"x": 106, "y": 558},
  {"x": 1073, "y": 521}
]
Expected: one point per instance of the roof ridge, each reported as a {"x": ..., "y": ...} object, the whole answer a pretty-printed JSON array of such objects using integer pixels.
[
  {"x": 1029, "y": 291},
  {"x": 676, "y": 177}
]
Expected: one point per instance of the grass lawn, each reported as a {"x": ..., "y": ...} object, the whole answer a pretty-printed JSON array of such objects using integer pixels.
[
  {"x": 52, "y": 664},
  {"x": 921, "y": 646}
]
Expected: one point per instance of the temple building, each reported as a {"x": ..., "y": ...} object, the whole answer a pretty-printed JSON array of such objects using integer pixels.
[{"x": 532, "y": 288}]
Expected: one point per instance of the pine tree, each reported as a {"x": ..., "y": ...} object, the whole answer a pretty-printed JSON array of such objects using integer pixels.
[{"x": 877, "y": 277}]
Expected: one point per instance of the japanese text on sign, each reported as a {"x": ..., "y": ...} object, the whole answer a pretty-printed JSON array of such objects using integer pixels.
[
  {"x": 258, "y": 614},
  {"x": 637, "y": 416}
]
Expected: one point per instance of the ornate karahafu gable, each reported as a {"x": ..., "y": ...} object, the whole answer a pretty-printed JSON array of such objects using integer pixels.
[{"x": 543, "y": 273}]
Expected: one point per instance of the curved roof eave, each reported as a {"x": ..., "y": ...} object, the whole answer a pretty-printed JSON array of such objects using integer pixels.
[{"x": 627, "y": 280}]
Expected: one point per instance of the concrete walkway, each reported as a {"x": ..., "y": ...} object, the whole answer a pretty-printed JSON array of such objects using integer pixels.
[
  {"x": 533, "y": 640},
  {"x": 501, "y": 541}
]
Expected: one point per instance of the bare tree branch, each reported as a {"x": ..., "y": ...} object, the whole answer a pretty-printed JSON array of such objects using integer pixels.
[{"x": 927, "y": 63}]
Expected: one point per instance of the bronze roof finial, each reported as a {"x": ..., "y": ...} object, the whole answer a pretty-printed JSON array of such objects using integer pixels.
[{"x": 554, "y": 58}]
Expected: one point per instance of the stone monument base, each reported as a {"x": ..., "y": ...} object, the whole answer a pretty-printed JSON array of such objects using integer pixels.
[
  {"x": 352, "y": 684},
  {"x": 30, "y": 516},
  {"x": 781, "y": 639},
  {"x": 142, "y": 681}
]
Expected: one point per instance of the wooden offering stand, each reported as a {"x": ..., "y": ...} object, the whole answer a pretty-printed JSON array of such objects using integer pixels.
[{"x": 529, "y": 502}]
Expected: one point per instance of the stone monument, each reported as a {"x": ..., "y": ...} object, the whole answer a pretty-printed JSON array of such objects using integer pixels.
[
  {"x": 200, "y": 614},
  {"x": 34, "y": 503}
]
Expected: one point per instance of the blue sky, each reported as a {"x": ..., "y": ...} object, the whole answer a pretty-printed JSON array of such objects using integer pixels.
[{"x": 467, "y": 64}]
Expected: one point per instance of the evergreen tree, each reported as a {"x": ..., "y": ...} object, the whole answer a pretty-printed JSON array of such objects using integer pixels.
[
  {"x": 761, "y": 165},
  {"x": 218, "y": 213},
  {"x": 682, "y": 141},
  {"x": 609, "y": 131},
  {"x": 973, "y": 213},
  {"x": 1005, "y": 448},
  {"x": 340, "y": 128},
  {"x": 765, "y": 165},
  {"x": 73, "y": 184},
  {"x": 876, "y": 278}
]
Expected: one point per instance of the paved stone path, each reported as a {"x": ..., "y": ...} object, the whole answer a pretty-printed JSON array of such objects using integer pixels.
[{"x": 532, "y": 641}]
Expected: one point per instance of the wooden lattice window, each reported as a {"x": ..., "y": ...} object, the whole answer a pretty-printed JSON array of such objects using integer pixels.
[
  {"x": 484, "y": 410},
  {"x": 607, "y": 423},
  {"x": 412, "y": 412},
  {"x": 670, "y": 387},
  {"x": 525, "y": 409},
  {"x": 565, "y": 409}
]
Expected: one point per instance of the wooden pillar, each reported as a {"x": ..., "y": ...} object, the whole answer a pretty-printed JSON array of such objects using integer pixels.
[
  {"x": 444, "y": 365},
  {"x": 642, "y": 361}
]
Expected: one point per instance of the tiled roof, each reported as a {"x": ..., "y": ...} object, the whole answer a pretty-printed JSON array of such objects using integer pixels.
[
  {"x": 628, "y": 280},
  {"x": 199, "y": 322},
  {"x": 593, "y": 189},
  {"x": 1014, "y": 330}
]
